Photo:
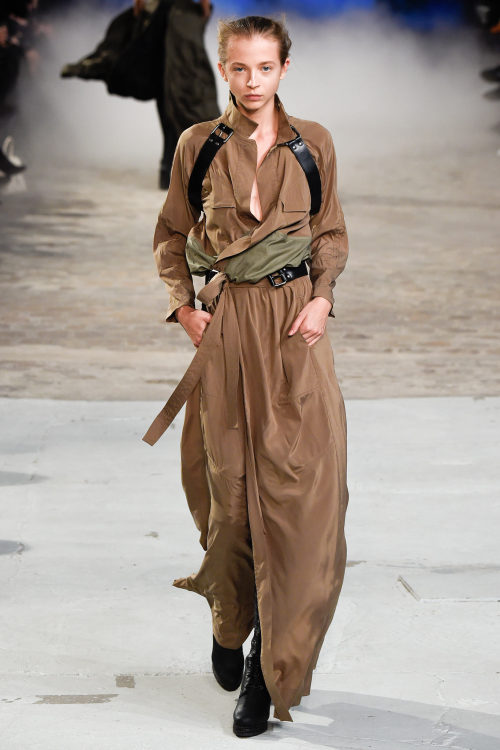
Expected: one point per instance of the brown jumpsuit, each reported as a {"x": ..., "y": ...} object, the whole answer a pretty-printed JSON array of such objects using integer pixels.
[{"x": 264, "y": 439}]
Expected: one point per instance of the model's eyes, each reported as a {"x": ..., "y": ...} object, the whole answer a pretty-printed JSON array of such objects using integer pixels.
[{"x": 240, "y": 68}]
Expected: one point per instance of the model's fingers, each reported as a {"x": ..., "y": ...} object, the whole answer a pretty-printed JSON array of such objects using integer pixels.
[
  {"x": 307, "y": 330},
  {"x": 312, "y": 335},
  {"x": 296, "y": 324},
  {"x": 318, "y": 337}
]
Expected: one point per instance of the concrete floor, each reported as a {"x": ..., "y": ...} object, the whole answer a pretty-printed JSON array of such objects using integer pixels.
[{"x": 100, "y": 651}]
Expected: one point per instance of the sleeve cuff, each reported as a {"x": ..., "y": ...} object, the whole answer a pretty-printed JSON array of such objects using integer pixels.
[
  {"x": 326, "y": 293},
  {"x": 174, "y": 305}
]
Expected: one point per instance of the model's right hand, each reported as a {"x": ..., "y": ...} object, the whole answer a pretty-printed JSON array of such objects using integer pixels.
[
  {"x": 206, "y": 7},
  {"x": 138, "y": 7},
  {"x": 193, "y": 321}
]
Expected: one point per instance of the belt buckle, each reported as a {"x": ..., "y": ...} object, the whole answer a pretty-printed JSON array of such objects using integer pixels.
[{"x": 281, "y": 274}]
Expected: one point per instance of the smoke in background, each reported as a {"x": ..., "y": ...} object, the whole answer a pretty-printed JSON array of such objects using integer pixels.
[
  {"x": 419, "y": 14},
  {"x": 377, "y": 86}
]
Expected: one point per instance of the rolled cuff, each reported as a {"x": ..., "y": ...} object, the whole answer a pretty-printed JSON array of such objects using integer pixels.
[
  {"x": 326, "y": 293},
  {"x": 174, "y": 305}
]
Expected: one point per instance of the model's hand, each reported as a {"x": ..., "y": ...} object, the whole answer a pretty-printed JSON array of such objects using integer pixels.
[
  {"x": 193, "y": 321},
  {"x": 138, "y": 7},
  {"x": 311, "y": 320},
  {"x": 206, "y": 7},
  {"x": 34, "y": 59}
]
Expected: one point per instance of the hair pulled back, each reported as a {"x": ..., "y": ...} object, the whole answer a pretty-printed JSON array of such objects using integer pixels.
[{"x": 251, "y": 26}]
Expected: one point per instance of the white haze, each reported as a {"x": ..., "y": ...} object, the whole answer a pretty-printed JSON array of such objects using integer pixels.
[{"x": 376, "y": 86}]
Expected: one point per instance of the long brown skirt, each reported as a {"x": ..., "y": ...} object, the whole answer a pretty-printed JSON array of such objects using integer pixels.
[{"x": 264, "y": 471}]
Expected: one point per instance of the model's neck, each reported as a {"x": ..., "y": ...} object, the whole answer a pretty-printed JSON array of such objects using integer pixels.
[{"x": 266, "y": 117}]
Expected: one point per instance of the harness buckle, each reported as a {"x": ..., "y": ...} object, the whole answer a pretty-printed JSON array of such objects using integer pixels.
[{"x": 221, "y": 133}]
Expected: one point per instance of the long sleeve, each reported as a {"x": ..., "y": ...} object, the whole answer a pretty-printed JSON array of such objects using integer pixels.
[
  {"x": 329, "y": 247},
  {"x": 176, "y": 219}
]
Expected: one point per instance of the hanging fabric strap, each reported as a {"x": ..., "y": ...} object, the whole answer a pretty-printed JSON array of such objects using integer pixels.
[
  {"x": 211, "y": 339},
  {"x": 221, "y": 134}
]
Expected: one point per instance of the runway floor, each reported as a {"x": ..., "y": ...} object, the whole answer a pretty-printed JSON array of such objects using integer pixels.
[{"x": 100, "y": 651}]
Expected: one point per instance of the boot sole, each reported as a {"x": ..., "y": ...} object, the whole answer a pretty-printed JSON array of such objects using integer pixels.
[{"x": 249, "y": 731}]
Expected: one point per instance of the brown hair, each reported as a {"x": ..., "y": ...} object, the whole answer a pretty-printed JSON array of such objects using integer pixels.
[{"x": 250, "y": 26}]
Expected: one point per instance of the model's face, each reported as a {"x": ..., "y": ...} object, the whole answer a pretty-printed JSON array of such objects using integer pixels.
[{"x": 253, "y": 70}]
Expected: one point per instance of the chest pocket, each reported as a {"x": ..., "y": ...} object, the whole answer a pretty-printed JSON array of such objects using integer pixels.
[
  {"x": 295, "y": 204},
  {"x": 295, "y": 210},
  {"x": 217, "y": 190}
]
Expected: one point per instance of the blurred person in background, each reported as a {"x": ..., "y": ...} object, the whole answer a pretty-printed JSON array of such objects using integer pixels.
[
  {"x": 22, "y": 36},
  {"x": 155, "y": 50},
  {"x": 487, "y": 14},
  {"x": 14, "y": 25}
]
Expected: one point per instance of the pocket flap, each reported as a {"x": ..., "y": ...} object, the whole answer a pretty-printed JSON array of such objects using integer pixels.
[{"x": 294, "y": 203}]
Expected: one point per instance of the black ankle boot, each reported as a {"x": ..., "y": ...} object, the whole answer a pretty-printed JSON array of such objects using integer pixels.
[
  {"x": 227, "y": 666},
  {"x": 253, "y": 706}
]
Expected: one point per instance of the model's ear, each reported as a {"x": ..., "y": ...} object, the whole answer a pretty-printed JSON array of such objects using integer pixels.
[
  {"x": 222, "y": 71},
  {"x": 284, "y": 68}
]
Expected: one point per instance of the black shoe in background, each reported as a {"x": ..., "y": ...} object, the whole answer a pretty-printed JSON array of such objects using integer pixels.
[
  {"x": 10, "y": 164},
  {"x": 164, "y": 180},
  {"x": 492, "y": 75}
]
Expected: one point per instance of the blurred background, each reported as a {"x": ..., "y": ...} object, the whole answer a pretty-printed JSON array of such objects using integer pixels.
[{"x": 409, "y": 90}]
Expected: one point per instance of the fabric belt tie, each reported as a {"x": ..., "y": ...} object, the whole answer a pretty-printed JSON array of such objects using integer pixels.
[
  {"x": 221, "y": 325},
  {"x": 211, "y": 338}
]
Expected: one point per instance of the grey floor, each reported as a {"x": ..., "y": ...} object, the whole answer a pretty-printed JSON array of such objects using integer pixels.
[{"x": 99, "y": 650}]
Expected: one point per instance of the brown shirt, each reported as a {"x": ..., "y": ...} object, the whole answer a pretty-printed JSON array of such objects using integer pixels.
[{"x": 227, "y": 228}]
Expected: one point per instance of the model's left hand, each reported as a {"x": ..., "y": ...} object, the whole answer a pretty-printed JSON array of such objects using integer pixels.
[
  {"x": 138, "y": 7},
  {"x": 311, "y": 320},
  {"x": 206, "y": 6}
]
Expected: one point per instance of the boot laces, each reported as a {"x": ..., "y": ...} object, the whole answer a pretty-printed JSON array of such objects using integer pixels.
[{"x": 253, "y": 677}]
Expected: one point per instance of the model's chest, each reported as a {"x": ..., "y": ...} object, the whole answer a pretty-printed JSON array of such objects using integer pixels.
[{"x": 237, "y": 170}]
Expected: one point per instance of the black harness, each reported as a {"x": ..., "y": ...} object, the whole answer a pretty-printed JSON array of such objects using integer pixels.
[{"x": 221, "y": 134}]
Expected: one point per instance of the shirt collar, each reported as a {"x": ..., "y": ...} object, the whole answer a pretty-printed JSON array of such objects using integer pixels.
[{"x": 243, "y": 125}]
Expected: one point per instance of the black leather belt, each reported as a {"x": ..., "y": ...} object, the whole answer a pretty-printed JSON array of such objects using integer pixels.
[
  {"x": 288, "y": 273},
  {"x": 277, "y": 278}
]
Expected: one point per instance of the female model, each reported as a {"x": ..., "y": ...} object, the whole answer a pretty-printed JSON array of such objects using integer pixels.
[{"x": 264, "y": 439}]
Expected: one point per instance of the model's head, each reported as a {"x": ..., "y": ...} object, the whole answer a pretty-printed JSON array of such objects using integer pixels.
[{"x": 253, "y": 58}]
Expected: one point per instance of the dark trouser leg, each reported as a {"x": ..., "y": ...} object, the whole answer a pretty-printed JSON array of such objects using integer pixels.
[{"x": 169, "y": 144}]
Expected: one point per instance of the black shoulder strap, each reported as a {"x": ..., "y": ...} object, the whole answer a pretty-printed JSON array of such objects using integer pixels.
[
  {"x": 215, "y": 141},
  {"x": 306, "y": 161},
  {"x": 203, "y": 161}
]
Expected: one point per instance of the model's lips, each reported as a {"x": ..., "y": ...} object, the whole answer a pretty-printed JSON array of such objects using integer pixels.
[{"x": 253, "y": 96}]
